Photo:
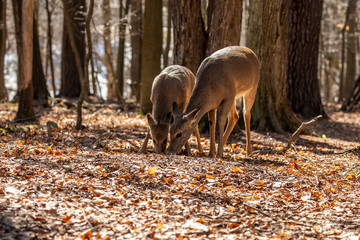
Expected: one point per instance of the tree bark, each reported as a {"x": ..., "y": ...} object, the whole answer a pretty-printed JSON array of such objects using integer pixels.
[
  {"x": 49, "y": 47},
  {"x": 70, "y": 80},
  {"x": 41, "y": 93},
  {"x": 268, "y": 37},
  {"x": 26, "y": 94},
  {"x": 225, "y": 26},
  {"x": 121, "y": 49},
  {"x": 151, "y": 51},
  {"x": 189, "y": 34},
  {"x": 110, "y": 73},
  {"x": 3, "y": 92},
  {"x": 302, "y": 69},
  {"x": 136, "y": 43},
  {"x": 168, "y": 34},
  {"x": 85, "y": 80}
]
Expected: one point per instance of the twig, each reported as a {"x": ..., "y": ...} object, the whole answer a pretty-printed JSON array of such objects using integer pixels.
[
  {"x": 303, "y": 126},
  {"x": 256, "y": 209},
  {"x": 348, "y": 150}
]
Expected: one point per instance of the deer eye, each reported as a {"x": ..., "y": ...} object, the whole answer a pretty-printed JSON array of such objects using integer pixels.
[
  {"x": 155, "y": 141},
  {"x": 178, "y": 135},
  {"x": 164, "y": 142}
]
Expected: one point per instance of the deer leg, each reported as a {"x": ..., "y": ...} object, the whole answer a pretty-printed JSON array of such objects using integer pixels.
[
  {"x": 144, "y": 146},
  {"x": 198, "y": 139},
  {"x": 223, "y": 112},
  {"x": 212, "y": 121},
  {"x": 249, "y": 100},
  {"x": 233, "y": 117}
]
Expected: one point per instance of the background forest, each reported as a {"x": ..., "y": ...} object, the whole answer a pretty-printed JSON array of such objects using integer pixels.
[
  {"x": 90, "y": 65},
  {"x": 131, "y": 42}
]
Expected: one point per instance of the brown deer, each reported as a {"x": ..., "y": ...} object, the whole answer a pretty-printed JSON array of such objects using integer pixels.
[
  {"x": 172, "y": 86},
  {"x": 227, "y": 73}
]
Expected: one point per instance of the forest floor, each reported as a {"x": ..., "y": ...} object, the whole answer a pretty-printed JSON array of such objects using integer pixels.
[{"x": 92, "y": 184}]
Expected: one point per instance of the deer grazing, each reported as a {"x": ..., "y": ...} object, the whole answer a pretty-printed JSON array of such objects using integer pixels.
[
  {"x": 227, "y": 73},
  {"x": 173, "y": 85}
]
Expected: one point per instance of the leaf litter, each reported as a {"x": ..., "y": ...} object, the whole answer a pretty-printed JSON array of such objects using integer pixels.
[{"x": 63, "y": 184}]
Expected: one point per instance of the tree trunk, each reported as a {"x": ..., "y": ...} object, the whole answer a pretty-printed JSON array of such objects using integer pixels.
[
  {"x": 268, "y": 37},
  {"x": 70, "y": 80},
  {"x": 3, "y": 92},
  {"x": 225, "y": 26},
  {"x": 85, "y": 80},
  {"x": 189, "y": 34},
  {"x": 49, "y": 47},
  {"x": 121, "y": 49},
  {"x": 168, "y": 35},
  {"x": 26, "y": 94},
  {"x": 110, "y": 73},
  {"x": 41, "y": 92},
  {"x": 302, "y": 69},
  {"x": 136, "y": 43},
  {"x": 350, "y": 73},
  {"x": 151, "y": 51}
]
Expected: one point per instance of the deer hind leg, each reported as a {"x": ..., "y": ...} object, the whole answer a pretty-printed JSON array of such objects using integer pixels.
[
  {"x": 144, "y": 146},
  {"x": 223, "y": 113},
  {"x": 198, "y": 139},
  {"x": 249, "y": 100},
  {"x": 212, "y": 123},
  {"x": 233, "y": 117}
]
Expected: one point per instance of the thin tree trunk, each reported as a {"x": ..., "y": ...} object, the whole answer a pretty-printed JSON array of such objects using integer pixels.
[
  {"x": 168, "y": 34},
  {"x": 110, "y": 73},
  {"x": 136, "y": 45},
  {"x": 26, "y": 93},
  {"x": 121, "y": 49},
  {"x": 3, "y": 92},
  {"x": 49, "y": 47},
  {"x": 85, "y": 80}
]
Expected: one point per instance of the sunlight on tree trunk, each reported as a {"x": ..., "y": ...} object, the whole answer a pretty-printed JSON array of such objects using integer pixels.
[
  {"x": 26, "y": 93},
  {"x": 3, "y": 92}
]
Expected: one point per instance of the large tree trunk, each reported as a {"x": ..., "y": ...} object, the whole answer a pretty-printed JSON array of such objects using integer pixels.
[
  {"x": 152, "y": 49},
  {"x": 3, "y": 92},
  {"x": 70, "y": 80},
  {"x": 302, "y": 69},
  {"x": 268, "y": 37},
  {"x": 225, "y": 26},
  {"x": 38, "y": 79},
  {"x": 189, "y": 34},
  {"x": 26, "y": 94}
]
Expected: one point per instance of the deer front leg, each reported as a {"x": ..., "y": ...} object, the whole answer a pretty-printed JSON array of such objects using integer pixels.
[
  {"x": 233, "y": 117},
  {"x": 198, "y": 139},
  {"x": 144, "y": 146},
  {"x": 212, "y": 121},
  {"x": 223, "y": 112}
]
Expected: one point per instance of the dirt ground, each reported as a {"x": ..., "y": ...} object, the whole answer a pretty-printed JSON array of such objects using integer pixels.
[{"x": 57, "y": 183}]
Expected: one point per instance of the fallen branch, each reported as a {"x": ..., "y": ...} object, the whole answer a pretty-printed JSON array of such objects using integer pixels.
[
  {"x": 348, "y": 150},
  {"x": 303, "y": 126},
  {"x": 256, "y": 209}
]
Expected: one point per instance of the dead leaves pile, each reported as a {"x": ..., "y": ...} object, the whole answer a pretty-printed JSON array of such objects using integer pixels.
[{"x": 62, "y": 184}]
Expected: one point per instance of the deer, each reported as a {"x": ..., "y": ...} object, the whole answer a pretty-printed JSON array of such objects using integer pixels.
[
  {"x": 172, "y": 86},
  {"x": 227, "y": 73}
]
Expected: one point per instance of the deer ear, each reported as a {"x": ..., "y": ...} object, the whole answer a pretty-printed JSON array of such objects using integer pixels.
[
  {"x": 192, "y": 115},
  {"x": 150, "y": 119},
  {"x": 176, "y": 110}
]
